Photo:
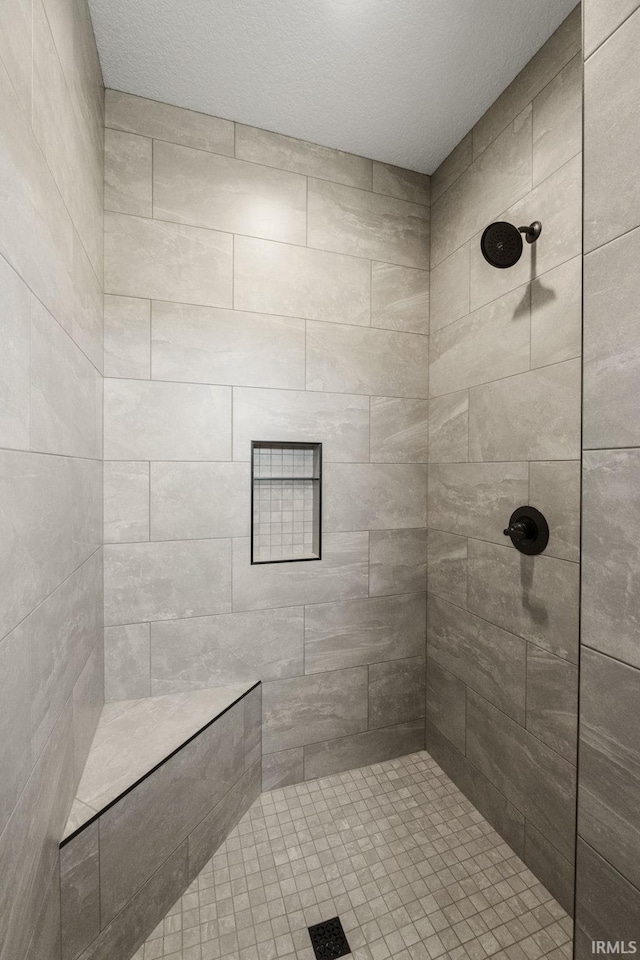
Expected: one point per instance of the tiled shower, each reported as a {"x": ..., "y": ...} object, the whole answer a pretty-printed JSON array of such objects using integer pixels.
[{"x": 265, "y": 413}]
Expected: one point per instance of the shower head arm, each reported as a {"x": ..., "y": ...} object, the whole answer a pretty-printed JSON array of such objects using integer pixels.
[{"x": 532, "y": 232}]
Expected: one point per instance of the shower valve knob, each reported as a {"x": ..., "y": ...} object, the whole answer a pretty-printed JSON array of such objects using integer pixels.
[{"x": 528, "y": 530}]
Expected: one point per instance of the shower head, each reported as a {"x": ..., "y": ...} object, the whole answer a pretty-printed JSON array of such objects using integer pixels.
[{"x": 501, "y": 242}]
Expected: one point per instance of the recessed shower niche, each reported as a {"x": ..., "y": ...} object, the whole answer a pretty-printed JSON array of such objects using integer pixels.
[{"x": 286, "y": 501}]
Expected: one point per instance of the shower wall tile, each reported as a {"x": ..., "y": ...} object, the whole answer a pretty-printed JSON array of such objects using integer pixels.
[
  {"x": 556, "y": 314},
  {"x": 401, "y": 183},
  {"x": 80, "y": 892},
  {"x": 354, "y": 632},
  {"x": 127, "y": 173},
  {"x": 167, "y": 261},
  {"x": 554, "y": 488},
  {"x": 15, "y": 719},
  {"x": 398, "y": 430},
  {"x": 611, "y": 343},
  {"x": 399, "y": 298},
  {"x": 15, "y": 358},
  {"x": 210, "y": 190},
  {"x": 397, "y": 561},
  {"x": 209, "y": 345},
  {"x": 283, "y": 768},
  {"x": 603, "y": 19},
  {"x": 505, "y": 416},
  {"x": 15, "y": 50},
  {"x": 339, "y": 420},
  {"x": 534, "y": 597},
  {"x": 127, "y": 338},
  {"x": 344, "y": 359},
  {"x": 493, "y": 182},
  {"x": 149, "y": 118},
  {"x": 166, "y": 581},
  {"x": 341, "y": 574},
  {"x": 555, "y": 871},
  {"x": 450, "y": 289},
  {"x": 557, "y": 120},
  {"x": 234, "y": 647},
  {"x": 361, "y": 749},
  {"x": 481, "y": 655},
  {"x": 475, "y": 498},
  {"x": 153, "y": 420},
  {"x": 447, "y": 567},
  {"x": 300, "y": 156},
  {"x": 545, "y": 792},
  {"x": 490, "y": 343},
  {"x": 374, "y": 496},
  {"x": 611, "y": 571},
  {"x": 450, "y": 169},
  {"x": 313, "y": 708},
  {"x": 126, "y": 501},
  {"x": 607, "y": 904},
  {"x": 328, "y": 286},
  {"x": 199, "y": 500},
  {"x": 612, "y": 201},
  {"x": 446, "y": 704},
  {"x": 396, "y": 692},
  {"x": 449, "y": 428},
  {"x": 552, "y": 694},
  {"x": 366, "y": 224},
  {"x": 126, "y": 662}
]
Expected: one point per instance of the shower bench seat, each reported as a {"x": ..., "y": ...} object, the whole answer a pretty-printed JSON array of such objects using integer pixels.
[{"x": 165, "y": 781}]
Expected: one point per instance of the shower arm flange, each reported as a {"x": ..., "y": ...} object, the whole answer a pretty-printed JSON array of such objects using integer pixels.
[{"x": 532, "y": 232}]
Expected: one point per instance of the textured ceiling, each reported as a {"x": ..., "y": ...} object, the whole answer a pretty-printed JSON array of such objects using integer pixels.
[{"x": 398, "y": 80}]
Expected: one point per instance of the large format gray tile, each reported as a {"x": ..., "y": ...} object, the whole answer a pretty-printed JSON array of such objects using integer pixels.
[
  {"x": 553, "y": 869},
  {"x": 556, "y": 314},
  {"x": 15, "y": 359},
  {"x": 80, "y": 892},
  {"x": 127, "y": 660},
  {"x": 447, "y": 567},
  {"x": 199, "y": 500},
  {"x": 608, "y": 815},
  {"x": 491, "y": 343},
  {"x": 611, "y": 343},
  {"x": 16, "y": 50},
  {"x": 165, "y": 581},
  {"x": 505, "y": 416},
  {"x": 127, "y": 338},
  {"x": 399, "y": 430},
  {"x": 339, "y": 421},
  {"x": 328, "y": 286},
  {"x": 206, "y": 651},
  {"x": 534, "y": 597},
  {"x": 602, "y": 19},
  {"x": 554, "y": 488},
  {"x": 552, "y": 700},
  {"x": 150, "y": 118},
  {"x": 530, "y": 775},
  {"x": 154, "y": 420},
  {"x": 396, "y": 692},
  {"x": 397, "y": 561},
  {"x": 372, "y": 630},
  {"x": 369, "y": 496},
  {"x": 300, "y": 156},
  {"x": 446, "y": 703},
  {"x": 167, "y": 261},
  {"x": 450, "y": 289},
  {"x": 127, "y": 173},
  {"x": 315, "y": 708},
  {"x": 612, "y": 88},
  {"x": 475, "y": 499},
  {"x": 401, "y": 183},
  {"x": 450, "y": 169},
  {"x": 357, "y": 750},
  {"x": 492, "y": 182},
  {"x": 486, "y": 658},
  {"x": 399, "y": 298},
  {"x": 51, "y": 515},
  {"x": 15, "y": 718},
  {"x": 449, "y": 428},
  {"x": 126, "y": 501},
  {"x": 88, "y": 702},
  {"x": 607, "y": 905},
  {"x": 283, "y": 768},
  {"x": 341, "y": 574},
  {"x": 366, "y": 224},
  {"x": 610, "y": 594},
  {"x": 211, "y": 190},
  {"x": 348, "y": 359},
  {"x": 209, "y": 345},
  {"x": 557, "y": 120}
]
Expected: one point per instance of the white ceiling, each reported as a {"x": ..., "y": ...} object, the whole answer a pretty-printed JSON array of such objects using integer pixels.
[{"x": 398, "y": 80}]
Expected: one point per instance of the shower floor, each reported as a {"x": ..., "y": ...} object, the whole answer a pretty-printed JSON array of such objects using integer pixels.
[{"x": 394, "y": 850}]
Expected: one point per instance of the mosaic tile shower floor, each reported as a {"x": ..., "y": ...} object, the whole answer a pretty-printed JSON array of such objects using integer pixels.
[{"x": 394, "y": 849}]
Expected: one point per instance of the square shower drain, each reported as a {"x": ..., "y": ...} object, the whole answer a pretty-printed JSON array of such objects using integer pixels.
[{"x": 328, "y": 940}]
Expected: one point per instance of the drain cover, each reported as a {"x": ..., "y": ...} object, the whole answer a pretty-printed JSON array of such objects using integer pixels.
[{"x": 328, "y": 940}]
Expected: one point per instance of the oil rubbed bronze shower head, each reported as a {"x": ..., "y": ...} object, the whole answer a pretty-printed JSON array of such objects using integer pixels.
[{"x": 501, "y": 242}]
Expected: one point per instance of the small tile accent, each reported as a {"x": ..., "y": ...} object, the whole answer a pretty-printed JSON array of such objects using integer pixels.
[{"x": 286, "y": 502}]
